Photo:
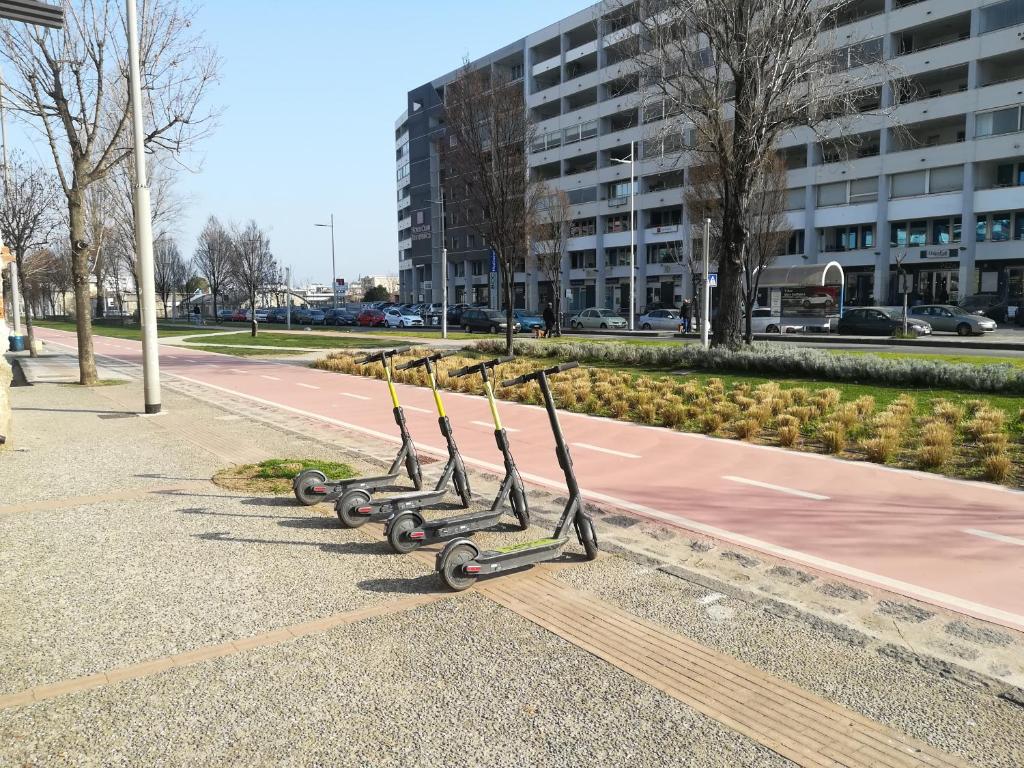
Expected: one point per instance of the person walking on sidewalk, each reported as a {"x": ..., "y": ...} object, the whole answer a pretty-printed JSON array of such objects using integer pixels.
[{"x": 549, "y": 320}]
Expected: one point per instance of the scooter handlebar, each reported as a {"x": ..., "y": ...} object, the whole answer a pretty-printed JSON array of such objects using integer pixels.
[
  {"x": 479, "y": 367},
  {"x": 537, "y": 374},
  {"x": 424, "y": 360},
  {"x": 377, "y": 357}
]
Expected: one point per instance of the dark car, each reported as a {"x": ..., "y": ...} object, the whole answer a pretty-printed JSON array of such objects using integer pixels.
[
  {"x": 371, "y": 318},
  {"x": 879, "y": 321},
  {"x": 301, "y": 315},
  {"x": 486, "y": 320},
  {"x": 987, "y": 304},
  {"x": 455, "y": 313},
  {"x": 316, "y": 317},
  {"x": 340, "y": 316},
  {"x": 278, "y": 315}
]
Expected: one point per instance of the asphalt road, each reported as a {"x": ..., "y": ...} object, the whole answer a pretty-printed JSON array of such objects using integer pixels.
[{"x": 951, "y": 543}]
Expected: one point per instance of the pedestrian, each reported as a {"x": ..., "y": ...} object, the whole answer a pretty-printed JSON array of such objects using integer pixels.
[
  {"x": 686, "y": 314},
  {"x": 549, "y": 320}
]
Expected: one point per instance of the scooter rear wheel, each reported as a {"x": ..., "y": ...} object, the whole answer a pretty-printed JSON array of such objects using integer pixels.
[
  {"x": 397, "y": 534},
  {"x": 304, "y": 492},
  {"x": 347, "y": 505},
  {"x": 308, "y": 473},
  {"x": 451, "y": 570}
]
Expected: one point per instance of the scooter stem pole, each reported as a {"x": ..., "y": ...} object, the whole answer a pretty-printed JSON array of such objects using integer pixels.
[
  {"x": 549, "y": 401},
  {"x": 491, "y": 402},
  {"x": 437, "y": 394},
  {"x": 391, "y": 385}
]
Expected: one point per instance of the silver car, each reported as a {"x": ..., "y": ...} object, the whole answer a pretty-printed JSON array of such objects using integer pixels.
[
  {"x": 598, "y": 318},
  {"x": 660, "y": 320},
  {"x": 945, "y": 317}
]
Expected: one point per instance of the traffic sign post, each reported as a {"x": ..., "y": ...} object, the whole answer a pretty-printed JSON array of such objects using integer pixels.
[{"x": 493, "y": 279}]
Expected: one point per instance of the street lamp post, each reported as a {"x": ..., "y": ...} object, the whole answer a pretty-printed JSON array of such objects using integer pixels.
[
  {"x": 334, "y": 268},
  {"x": 143, "y": 225},
  {"x": 632, "y": 232},
  {"x": 444, "y": 263},
  {"x": 705, "y": 320}
]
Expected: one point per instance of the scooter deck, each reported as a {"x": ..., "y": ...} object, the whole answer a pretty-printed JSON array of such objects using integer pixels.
[
  {"x": 380, "y": 510},
  {"x": 450, "y": 527},
  {"x": 519, "y": 555},
  {"x": 359, "y": 483}
]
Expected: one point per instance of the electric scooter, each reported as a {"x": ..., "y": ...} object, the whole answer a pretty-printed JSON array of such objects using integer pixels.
[
  {"x": 356, "y": 507},
  {"x": 408, "y": 530},
  {"x": 461, "y": 562},
  {"x": 312, "y": 486}
]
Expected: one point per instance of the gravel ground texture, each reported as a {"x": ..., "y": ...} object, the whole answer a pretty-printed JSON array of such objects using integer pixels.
[
  {"x": 461, "y": 682},
  {"x": 945, "y": 713}
]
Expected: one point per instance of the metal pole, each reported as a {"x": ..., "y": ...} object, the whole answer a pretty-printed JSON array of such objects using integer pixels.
[
  {"x": 143, "y": 226},
  {"x": 632, "y": 238},
  {"x": 288, "y": 293},
  {"x": 15, "y": 292},
  {"x": 334, "y": 268},
  {"x": 444, "y": 268},
  {"x": 705, "y": 320}
]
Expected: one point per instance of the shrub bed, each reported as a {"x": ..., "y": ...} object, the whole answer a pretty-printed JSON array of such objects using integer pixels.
[
  {"x": 767, "y": 359},
  {"x": 973, "y": 441}
]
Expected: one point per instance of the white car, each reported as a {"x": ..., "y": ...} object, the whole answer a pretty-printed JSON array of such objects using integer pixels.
[
  {"x": 397, "y": 318},
  {"x": 660, "y": 320},
  {"x": 763, "y": 320},
  {"x": 261, "y": 315}
]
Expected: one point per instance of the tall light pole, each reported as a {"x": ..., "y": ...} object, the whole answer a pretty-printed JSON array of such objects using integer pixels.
[
  {"x": 444, "y": 264},
  {"x": 632, "y": 232},
  {"x": 706, "y": 309},
  {"x": 143, "y": 225},
  {"x": 334, "y": 269},
  {"x": 15, "y": 290}
]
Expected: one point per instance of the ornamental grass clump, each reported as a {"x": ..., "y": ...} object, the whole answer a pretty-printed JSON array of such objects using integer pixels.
[
  {"x": 832, "y": 434},
  {"x": 936, "y": 448},
  {"x": 985, "y": 421},
  {"x": 993, "y": 444},
  {"x": 787, "y": 430},
  {"x": 996, "y": 469},
  {"x": 949, "y": 412},
  {"x": 747, "y": 429}
]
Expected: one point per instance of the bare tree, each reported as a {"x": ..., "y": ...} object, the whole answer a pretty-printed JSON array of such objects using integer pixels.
[
  {"x": 212, "y": 258},
  {"x": 764, "y": 221},
  {"x": 252, "y": 264},
  {"x": 551, "y": 232},
  {"x": 73, "y": 84},
  {"x": 28, "y": 217},
  {"x": 734, "y": 76},
  {"x": 170, "y": 270},
  {"x": 488, "y": 132}
]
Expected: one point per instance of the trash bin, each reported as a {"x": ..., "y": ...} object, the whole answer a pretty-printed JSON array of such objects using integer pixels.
[{"x": 17, "y": 343}]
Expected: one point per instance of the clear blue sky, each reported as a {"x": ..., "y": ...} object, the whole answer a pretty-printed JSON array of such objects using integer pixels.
[{"x": 311, "y": 91}]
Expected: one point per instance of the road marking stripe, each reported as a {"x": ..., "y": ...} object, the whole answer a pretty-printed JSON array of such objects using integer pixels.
[
  {"x": 779, "y": 488},
  {"x": 271, "y": 378},
  {"x": 414, "y": 408},
  {"x": 353, "y": 395},
  {"x": 609, "y": 451},
  {"x": 490, "y": 426},
  {"x": 237, "y": 370},
  {"x": 994, "y": 536},
  {"x": 307, "y": 386}
]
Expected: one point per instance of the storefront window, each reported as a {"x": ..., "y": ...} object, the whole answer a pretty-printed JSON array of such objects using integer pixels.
[
  {"x": 940, "y": 231},
  {"x": 982, "y": 230}
]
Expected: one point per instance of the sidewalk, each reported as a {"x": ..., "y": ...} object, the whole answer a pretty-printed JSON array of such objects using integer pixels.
[{"x": 152, "y": 617}]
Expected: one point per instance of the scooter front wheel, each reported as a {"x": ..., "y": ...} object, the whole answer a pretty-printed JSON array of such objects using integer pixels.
[
  {"x": 347, "y": 506},
  {"x": 398, "y": 534},
  {"x": 588, "y": 538},
  {"x": 316, "y": 473},
  {"x": 451, "y": 570},
  {"x": 310, "y": 490}
]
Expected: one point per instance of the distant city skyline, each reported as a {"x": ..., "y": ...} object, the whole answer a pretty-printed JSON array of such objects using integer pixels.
[{"x": 289, "y": 154}]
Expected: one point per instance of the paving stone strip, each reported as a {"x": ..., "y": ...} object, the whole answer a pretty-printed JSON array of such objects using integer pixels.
[
  {"x": 70, "y": 502},
  {"x": 801, "y": 727},
  {"x": 154, "y": 666}
]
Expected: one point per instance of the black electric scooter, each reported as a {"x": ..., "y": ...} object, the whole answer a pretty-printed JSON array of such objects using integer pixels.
[
  {"x": 356, "y": 507},
  {"x": 313, "y": 487},
  {"x": 408, "y": 530},
  {"x": 461, "y": 562}
]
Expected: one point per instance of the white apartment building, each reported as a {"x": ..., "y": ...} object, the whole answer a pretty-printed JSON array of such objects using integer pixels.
[{"x": 938, "y": 183}]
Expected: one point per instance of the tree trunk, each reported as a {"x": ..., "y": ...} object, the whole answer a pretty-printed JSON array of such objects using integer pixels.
[
  {"x": 728, "y": 331},
  {"x": 80, "y": 280},
  {"x": 216, "y": 317},
  {"x": 252, "y": 310}
]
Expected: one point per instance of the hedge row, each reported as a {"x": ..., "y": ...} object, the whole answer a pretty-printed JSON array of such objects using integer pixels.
[{"x": 768, "y": 359}]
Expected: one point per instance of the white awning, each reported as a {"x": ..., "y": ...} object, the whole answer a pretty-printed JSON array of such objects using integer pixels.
[{"x": 802, "y": 276}]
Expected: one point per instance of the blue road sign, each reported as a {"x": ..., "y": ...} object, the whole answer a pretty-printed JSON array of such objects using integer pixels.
[
  {"x": 713, "y": 279},
  {"x": 494, "y": 261}
]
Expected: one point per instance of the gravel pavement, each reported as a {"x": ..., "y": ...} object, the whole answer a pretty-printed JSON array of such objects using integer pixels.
[{"x": 465, "y": 684}]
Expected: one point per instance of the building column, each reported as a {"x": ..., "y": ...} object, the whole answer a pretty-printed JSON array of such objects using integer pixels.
[
  {"x": 640, "y": 276},
  {"x": 883, "y": 258},
  {"x": 600, "y": 288},
  {"x": 810, "y": 206},
  {"x": 969, "y": 218}
]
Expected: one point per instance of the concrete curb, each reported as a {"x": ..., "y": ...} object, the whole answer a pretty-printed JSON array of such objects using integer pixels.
[{"x": 880, "y": 341}]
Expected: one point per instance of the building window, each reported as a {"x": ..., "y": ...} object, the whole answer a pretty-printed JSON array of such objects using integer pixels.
[
  {"x": 795, "y": 244},
  {"x": 582, "y": 227},
  {"x": 583, "y": 259},
  {"x": 477, "y": 268},
  {"x": 616, "y": 257},
  {"x": 586, "y": 195},
  {"x": 1000, "y": 227},
  {"x": 1002, "y": 15},
  {"x": 618, "y": 223},
  {"x": 918, "y": 233},
  {"x": 664, "y": 253},
  {"x": 1018, "y": 225},
  {"x": 998, "y": 121}
]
